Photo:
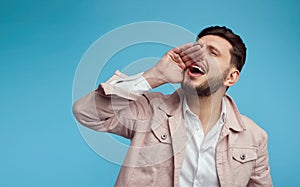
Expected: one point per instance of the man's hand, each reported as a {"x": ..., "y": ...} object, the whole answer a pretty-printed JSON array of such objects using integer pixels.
[{"x": 170, "y": 67}]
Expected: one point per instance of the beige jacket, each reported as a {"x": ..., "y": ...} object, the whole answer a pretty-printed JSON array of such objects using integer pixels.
[{"x": 154, "y": 124}]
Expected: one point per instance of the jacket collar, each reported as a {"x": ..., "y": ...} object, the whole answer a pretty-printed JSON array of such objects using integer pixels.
[
  {"x": 173, "y": 106},
  {"x": 173, "y": 103},
  {"x": 233, "y": 118}
]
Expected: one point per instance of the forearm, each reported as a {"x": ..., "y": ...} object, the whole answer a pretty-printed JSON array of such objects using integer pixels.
[{"x": 116, "y": 94}]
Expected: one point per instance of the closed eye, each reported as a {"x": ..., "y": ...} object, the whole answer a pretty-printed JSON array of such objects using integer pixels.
[{"x": 213, "y": 51}]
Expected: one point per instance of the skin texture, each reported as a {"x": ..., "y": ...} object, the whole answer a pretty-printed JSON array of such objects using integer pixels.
[{"x": 210, "y": 52}]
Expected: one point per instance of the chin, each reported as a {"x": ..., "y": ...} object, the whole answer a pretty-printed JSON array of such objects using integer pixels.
[
  {"x": 202, "y": 89},
  {"x": 192, "y": 82},
  {"x": 190, "y": 87}
]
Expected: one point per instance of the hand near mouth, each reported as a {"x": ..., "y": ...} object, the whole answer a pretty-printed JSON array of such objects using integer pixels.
[
  {"x": 192, "y": 55},
  {"x": 170, "y": 67}
]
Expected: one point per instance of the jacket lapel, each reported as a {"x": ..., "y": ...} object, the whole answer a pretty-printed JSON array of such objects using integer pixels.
[
  {"x": 233, "y": 121},
  {"x": 173, "y": 108},
  {"x": 178, "y": 134}
]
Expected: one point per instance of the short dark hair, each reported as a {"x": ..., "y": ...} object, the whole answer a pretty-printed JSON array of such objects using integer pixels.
[{"x": 238, "y": 53}]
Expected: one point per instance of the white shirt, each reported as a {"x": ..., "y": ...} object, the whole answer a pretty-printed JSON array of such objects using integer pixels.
[{"x": 199, "y": 167}]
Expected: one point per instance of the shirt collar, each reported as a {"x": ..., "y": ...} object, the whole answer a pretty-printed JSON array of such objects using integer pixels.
[{"x": 186, "y": 108}]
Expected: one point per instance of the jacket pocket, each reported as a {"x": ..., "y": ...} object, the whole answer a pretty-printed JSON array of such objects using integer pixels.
[
  {"x": 162, "y": 134},
  {"x": 156, "y": 147},
  {"x": 242, "y": 164},
  {"x": 244, "y": 155}
]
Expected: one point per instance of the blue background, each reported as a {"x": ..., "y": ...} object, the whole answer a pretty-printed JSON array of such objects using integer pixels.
[{"x": 42, "y": 42}]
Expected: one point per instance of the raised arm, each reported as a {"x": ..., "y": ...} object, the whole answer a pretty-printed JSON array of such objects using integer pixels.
[{"x": 118, "y": 104}]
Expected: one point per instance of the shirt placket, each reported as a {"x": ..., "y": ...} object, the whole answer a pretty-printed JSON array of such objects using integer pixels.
[{"x": 199, "y": 137}]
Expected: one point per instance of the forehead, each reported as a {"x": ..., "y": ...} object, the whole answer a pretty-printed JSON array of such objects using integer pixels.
[{"x": 217, "y": 42}]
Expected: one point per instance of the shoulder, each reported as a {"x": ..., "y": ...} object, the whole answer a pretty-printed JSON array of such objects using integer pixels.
[
  {"x": 158, "y": 98},
  {"x": 153, "y": 102},
  {"x": 254, "y": 129},
  {"x": 251, "y": 130},
  {"x": 144, "y": 105},
  {"x": 154, "y": 95}
]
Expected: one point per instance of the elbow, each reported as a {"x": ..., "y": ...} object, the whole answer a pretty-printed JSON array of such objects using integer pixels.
[
  {"x": 86, "y": 114},
  {"x": 77, "y": 110}
]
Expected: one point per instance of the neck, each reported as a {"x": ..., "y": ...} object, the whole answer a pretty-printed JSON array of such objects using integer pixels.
[{"x": 208, "y": 109}]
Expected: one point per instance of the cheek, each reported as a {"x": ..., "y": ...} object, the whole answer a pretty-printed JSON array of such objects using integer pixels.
[
  {"x": 219, "y": 67},
  {"x": 215, "y": 70},
  {"x": 214, "y": 65}
]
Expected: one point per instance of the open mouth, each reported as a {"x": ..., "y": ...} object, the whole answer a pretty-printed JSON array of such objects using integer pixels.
[{"x": 195, "y": 71}]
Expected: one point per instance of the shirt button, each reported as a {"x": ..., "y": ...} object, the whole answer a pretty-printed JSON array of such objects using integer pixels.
[
  {"x": 223, "y": 118},
  {"x": 164, "y": 136}
]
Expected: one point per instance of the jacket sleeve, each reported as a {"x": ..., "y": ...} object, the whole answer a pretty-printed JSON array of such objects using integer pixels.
[
  {"x": 261, "y": 175},
  {"x": 112, "y": 109}
]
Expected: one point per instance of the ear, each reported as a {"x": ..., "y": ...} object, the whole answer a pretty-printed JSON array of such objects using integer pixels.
[{"x": 232, "y": 77}]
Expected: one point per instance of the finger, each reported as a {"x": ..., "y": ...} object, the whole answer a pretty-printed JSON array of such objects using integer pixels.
[
  {"x": 188, "y": 63},
  {"x": 190, "y": 50},
  {"x": 182, "y": 48},
  {"x": 195, "y": 56},
  {"x": 177, "y": 59}
]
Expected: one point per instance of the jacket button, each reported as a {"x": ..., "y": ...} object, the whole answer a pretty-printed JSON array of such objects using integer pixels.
[
  {"x": 243, "y": 156},
  {"x": 164, "y": 136}
]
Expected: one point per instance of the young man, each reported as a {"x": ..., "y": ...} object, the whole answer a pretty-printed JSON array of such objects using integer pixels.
[{"x": 193, "y": 137}]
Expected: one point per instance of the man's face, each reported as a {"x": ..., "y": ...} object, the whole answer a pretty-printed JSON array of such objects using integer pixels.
[{"x": 206, "y": 76}]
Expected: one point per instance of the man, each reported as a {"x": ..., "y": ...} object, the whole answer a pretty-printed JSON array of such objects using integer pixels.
[{"x": 193, "y": 137}]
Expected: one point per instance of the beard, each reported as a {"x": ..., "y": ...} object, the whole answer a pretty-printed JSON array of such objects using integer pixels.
[{"x": 206, "y": 88}]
